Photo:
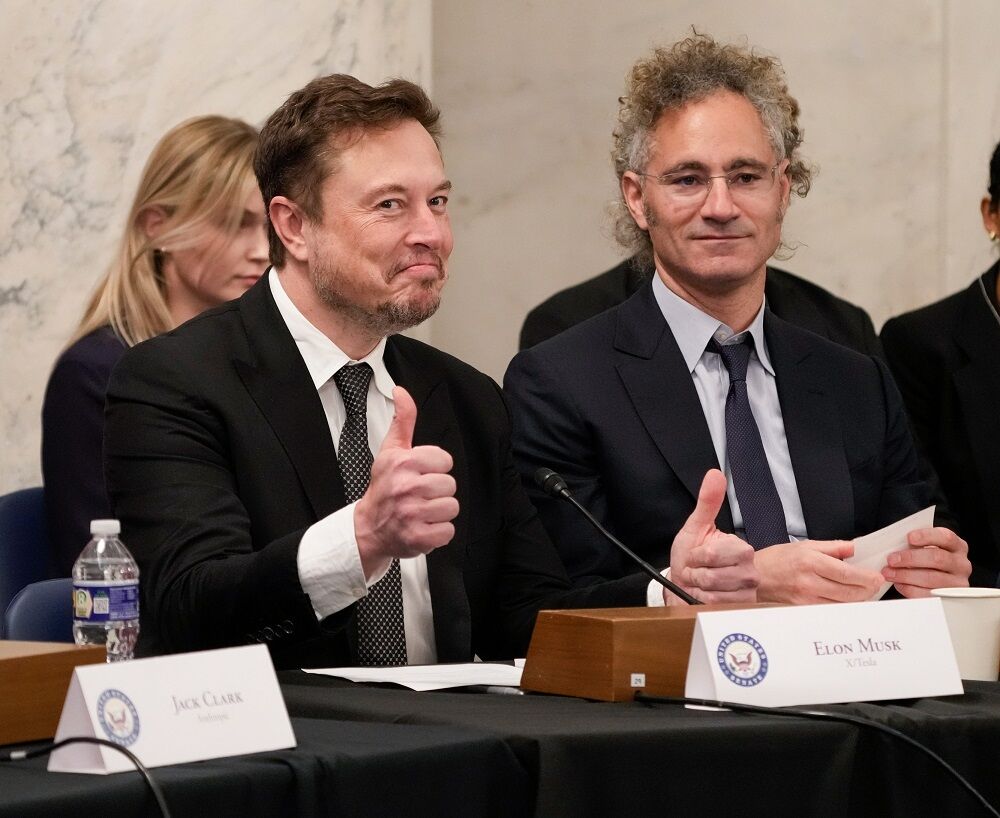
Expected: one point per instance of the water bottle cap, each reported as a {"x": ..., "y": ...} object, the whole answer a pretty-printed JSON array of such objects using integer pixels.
[{"x": 105, "y": 528}]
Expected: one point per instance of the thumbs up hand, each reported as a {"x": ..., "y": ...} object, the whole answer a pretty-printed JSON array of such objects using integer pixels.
[
  {"x": 711, "y": 565},
  {"x": 410, "y": 502}
]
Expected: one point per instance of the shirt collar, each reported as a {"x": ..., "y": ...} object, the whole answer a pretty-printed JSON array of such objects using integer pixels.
[
  {"x": 323, "y": 357},
  {"x": 693, "y": 329}
]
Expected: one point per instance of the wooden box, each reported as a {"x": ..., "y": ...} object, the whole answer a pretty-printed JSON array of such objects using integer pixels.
[
  {"x": 34, "y": 678},
  {"x": 594, "y": 653}
]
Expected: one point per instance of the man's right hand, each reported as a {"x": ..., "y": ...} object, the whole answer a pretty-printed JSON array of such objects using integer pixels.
[
  {"x": 410, "y": 502},
  {"x": 813, "y": 571},
  {"x": 711, "y": 565}
]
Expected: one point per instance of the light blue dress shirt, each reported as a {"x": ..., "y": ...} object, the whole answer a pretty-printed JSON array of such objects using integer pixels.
[{"x": 693, "y": 329}]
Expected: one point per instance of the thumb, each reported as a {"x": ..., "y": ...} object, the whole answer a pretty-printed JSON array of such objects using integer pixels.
[
  {"x": 400, "y": 434},
  {"x": 710, "y": 497}
]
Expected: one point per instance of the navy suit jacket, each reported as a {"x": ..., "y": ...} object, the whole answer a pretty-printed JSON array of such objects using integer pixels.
[
  {"x": 610, "y": 404},
  {"x": 218, "y": 457},
  {"x": 72, "y": 442}
]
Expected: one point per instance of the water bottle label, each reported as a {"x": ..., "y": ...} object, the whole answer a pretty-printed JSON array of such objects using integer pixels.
[{"x": 97, "y": 602}]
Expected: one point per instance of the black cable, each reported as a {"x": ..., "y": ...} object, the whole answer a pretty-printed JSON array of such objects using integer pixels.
[
  {"x": 21, "y": 755},
  {"x": 825, "y": 715}
]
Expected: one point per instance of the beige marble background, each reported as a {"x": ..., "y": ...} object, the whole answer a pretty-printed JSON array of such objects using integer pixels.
[
  {"x": 901, "y": 103},
  {"x": 87, "y": 89},
  {"x": 901, "y": 108}
]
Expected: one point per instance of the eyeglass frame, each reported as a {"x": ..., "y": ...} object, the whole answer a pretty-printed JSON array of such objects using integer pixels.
[{"x": 662, "y": 178}]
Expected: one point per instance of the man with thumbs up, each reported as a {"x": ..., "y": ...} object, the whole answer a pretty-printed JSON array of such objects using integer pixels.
[
  {"x": 289, "y": 470},
  {"x": 694, "y": 372}
]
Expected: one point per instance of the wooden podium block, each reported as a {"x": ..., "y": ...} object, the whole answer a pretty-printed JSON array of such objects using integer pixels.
[
  {"x": 34, "y": 677},
  {"x": 594, "y": 653}
]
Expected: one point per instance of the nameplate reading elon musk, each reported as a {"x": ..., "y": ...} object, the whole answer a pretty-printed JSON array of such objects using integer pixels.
[
  {"x": 173, "y": 709},
  {"x": 822, "y": 654}
]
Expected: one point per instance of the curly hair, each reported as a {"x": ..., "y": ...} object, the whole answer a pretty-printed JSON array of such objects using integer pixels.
[{"x": 690, "y": 71}]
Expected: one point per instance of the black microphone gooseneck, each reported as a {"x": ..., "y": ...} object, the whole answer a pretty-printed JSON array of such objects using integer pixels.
[{"x": 552, "y": 483}]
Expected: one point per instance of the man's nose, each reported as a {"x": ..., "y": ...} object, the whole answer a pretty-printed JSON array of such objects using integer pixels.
[
  {"x": 719, "y": 204},
  {"x": 428, "y": 228}
]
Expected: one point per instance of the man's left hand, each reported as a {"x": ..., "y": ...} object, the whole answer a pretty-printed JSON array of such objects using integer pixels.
[{"x": 936, "y": 558}]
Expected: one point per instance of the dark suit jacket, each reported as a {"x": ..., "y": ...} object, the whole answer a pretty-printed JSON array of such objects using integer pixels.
[
  {"x": 219, "y": 456},
  {"x": 796, "y": 300},
  {"x": 611, "y": 405},
  {"x": 946, "y": 360},
  {"x": 72, "y": 439}
]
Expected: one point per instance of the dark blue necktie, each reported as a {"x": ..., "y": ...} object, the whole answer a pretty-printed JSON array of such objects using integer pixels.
[
  {"x": 381, "y": 636},
  {"x": 760, "y": 505}
]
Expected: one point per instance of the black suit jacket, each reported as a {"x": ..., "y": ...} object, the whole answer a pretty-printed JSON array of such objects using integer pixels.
[
  {"x": 946, "y": 360},
  {"x": 611, "y": 405},
  {"x": 219, "y": 456},
  {"x": 796, "y": 300}
]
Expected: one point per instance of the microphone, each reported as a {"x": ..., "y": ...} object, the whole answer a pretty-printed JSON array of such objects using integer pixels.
[{"x": 552, "y": 483}]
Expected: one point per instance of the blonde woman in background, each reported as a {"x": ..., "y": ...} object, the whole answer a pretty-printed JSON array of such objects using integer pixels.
[{"x": 195, "y": 238}]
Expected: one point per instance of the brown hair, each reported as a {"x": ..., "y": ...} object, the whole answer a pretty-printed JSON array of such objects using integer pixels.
[
  {"x": 199, "y": 174},
  {"x": 690, "y": 71},
  {"x": 300, "y": 142}
]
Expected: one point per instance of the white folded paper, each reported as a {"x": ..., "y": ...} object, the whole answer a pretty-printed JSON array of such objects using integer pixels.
[{"x": 872, "y": 550}]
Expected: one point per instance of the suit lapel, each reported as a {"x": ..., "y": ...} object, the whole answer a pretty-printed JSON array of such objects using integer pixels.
[
  {"x": 437, "y": 425},
  {"x": 977, "y": 383},
  {"x": 659, "y": 384},
  {"x": 812, "y": 430},
  {"x": 786, "y": 301},
  {"x": 277, "y": 379}
]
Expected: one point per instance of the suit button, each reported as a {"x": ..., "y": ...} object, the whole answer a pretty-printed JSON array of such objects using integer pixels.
[
  {"x": 288, "y": 627},
  {"x": 268, "y": 634}
]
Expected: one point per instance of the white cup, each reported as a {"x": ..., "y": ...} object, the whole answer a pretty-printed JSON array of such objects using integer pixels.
[{"x": 973, "y": 617}]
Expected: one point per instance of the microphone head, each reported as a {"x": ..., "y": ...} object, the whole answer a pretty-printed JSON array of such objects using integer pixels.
[{"x": 550, "y": 482}]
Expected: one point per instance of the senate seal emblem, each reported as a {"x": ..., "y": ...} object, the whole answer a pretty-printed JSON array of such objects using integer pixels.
[
  {"x": 118, "y": 717},
  {"x": 742, "y": 659}
]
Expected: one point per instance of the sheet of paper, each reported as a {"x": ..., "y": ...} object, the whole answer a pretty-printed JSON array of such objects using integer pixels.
[
  {"x": 430, "y": 677},
  {"x": 872, "y": 550}
]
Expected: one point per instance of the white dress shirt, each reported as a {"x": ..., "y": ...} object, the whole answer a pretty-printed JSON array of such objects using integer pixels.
[{"x": 329, "y": 564}]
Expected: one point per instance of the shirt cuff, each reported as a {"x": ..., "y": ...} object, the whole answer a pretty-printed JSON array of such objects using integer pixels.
[
  {"x": 329, "y": 564},
  {"x": 654, "y": 591}
]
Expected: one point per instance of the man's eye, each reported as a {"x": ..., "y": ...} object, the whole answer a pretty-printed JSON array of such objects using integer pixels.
[
  {"x": 389, "y": 204},
  {"x": 687, "y": 181},
  {"x": 438, "y": 201},
  {"x": 744, "y": 179}
]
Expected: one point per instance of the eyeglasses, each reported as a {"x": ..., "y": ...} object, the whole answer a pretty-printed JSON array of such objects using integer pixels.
[{"x": 688, "y": 186}]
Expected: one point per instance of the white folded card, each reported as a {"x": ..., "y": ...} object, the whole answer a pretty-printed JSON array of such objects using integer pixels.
[
  {"x": 819, "y": 654},
  {"x": 173, "y": 709},
  {"x": 872, "y": 550}
]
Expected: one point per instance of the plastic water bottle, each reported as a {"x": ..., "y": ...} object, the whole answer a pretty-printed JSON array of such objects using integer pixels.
[{"x": 106, "y": 593}]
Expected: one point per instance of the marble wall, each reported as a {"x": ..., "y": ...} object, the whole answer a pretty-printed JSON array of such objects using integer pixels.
[
  {"x": 901, "y": 108},
  {"x": 87, "y": 89},
  {"x": 901, "y": 105}
]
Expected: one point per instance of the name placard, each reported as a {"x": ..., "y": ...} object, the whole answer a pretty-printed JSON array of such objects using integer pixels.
[
  {"x": 173, "y": 709},
  {"x": 822, "y": 654}
]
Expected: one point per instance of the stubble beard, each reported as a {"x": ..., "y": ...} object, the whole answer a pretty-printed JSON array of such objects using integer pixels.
[{"x": 387, "y": 317}]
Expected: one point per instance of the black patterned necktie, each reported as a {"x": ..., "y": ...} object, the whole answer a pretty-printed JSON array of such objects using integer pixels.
[
  {"x": 760, "y": 505},
  {"x": 381, "y": 638}
]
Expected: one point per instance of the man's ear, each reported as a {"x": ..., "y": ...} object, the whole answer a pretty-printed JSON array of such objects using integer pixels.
[
  {"x": 632, "y": 194},
  {"x": 290, "y": 225},
  {"x": 152, "y": 221},
  {"x": 991, "y": 217}
]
